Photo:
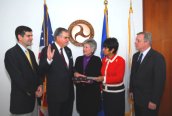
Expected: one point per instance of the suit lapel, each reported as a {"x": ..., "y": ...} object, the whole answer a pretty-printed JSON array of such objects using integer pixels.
[
  {"x": 23, "y": 56},
  {"x": 67, "y": 52},
  {"x": 135, "y": 60},
  {"x": 146, "y": 58},
  {"x": 58, "y": 56},
  {"x": 33, "y": 60},
  {"x": 69, "y": 56}
]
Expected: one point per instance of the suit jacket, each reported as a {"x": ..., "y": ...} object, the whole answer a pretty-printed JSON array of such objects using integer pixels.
[
  {"x": 148, "y": 81},
  {"x": 59, "y": 77},
  {"x": 24, "y": 80},
  {"x": 88, "y": 96}
]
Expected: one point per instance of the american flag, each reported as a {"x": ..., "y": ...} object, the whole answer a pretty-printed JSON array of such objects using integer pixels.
[{"x": 45, "y": 39}]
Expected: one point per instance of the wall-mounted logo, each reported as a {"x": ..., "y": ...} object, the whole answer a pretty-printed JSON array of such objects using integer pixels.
[{"x": 79, "y": 31}]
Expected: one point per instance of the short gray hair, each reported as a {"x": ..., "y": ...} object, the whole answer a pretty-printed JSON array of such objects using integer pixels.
[
  {"x": 147, "y": 36},
  {"x": 58, "y": 31},
  {"x": 92, "y": 43}
]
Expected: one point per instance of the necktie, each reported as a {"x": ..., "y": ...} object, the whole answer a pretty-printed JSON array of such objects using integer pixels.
[
  {"x": 28, "y": 57},
  {"x": 61, "y": 53},
  {"x": 140, "y": 58},
  {"x": 139, "y": 61}
]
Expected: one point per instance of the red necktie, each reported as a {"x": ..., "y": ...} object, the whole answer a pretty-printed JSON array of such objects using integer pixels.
[{"x": 61, "y": 53}]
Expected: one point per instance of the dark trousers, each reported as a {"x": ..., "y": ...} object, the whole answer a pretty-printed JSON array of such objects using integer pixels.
[
  {"x": 88, "y": 114},
  {"x": 60, "y": 108},
  {"x": 114, "y": 103},
  {"x": 141, "y": 111}
]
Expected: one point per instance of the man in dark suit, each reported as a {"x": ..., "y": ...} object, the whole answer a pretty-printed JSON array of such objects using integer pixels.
[
  {"x": 23, "y": 71},
  {"x": 147, "y": 77},
  {"x": 56, "y": 63}
]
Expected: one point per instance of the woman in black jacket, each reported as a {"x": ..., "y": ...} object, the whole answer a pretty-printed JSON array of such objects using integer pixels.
[{"x": 88, "y": 94}]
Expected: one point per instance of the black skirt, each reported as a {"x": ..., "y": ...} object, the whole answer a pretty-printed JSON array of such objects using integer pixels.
[{"x": 114, "y": 103}]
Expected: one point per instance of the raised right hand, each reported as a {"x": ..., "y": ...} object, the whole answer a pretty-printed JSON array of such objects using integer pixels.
[{"x": 50, "y": 53}]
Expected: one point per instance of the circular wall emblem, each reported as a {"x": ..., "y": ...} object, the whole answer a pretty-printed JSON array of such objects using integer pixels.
[{"x": 79, "y": 31}]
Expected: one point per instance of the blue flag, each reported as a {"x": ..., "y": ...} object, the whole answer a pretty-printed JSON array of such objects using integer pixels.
[
  {"x": 105, "y": 30},
  {"x": 45, "y": 39},
  {"x": 105, "y": 34}
]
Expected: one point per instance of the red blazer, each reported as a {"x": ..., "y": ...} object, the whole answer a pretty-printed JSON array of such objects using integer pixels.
[{"x": 113, "y": 69}]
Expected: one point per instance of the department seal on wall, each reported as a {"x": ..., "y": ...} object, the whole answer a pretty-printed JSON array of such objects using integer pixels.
[{"x": 79, "y": 31}]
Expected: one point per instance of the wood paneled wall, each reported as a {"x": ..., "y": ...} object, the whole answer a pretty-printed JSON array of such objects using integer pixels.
[{"x": 157, "y": 18}]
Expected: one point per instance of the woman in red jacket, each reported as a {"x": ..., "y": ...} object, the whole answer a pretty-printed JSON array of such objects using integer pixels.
[{"x": 113, "y": 68}]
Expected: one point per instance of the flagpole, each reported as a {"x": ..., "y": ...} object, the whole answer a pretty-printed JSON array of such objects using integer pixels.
[
  {"x": 106, "y": 13},
  {"x": 45, "y": 39},
  {"x": 105, "y": 30},
  {"x": 131, "y": 104},
  {"x": 129, "y": 33}
]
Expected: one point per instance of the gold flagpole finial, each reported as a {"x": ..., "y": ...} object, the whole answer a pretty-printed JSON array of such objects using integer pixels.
[
  {"x": 131, "y": 9},
  {"x": 44, "y": 1},
  {"x": 105, "y": 2}
]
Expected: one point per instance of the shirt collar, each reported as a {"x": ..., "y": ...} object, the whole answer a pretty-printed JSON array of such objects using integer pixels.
[
  {"x": 58, "y": 47},
  {"x": 22, "y": 47},
  {"x": 146, "y": 51},
  {"x": 111, "y": 59}
]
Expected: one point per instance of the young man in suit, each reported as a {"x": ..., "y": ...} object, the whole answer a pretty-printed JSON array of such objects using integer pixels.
[
  {"x": 56, "y": 63},
  {"x": 23, "y": 72},
  {"x": 147, "y": 77}
]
